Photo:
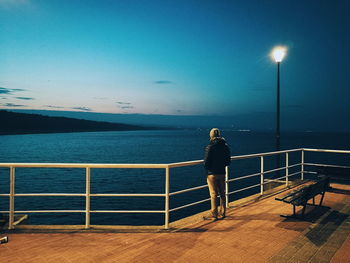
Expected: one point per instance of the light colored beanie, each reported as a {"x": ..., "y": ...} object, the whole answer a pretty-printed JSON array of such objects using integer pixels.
[{"x": 215, "y": 132}]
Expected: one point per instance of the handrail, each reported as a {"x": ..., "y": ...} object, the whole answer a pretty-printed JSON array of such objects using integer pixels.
[
  {"x": 325, "y": 150},
  {"x": 238, "y": 157},
  {"x": 263, "y": 154},
  {"x": 167, "y": 171},
  {"x": 188, "y": 190},
  {"x": 187, "y": 163},
  {"x": 83, "y": 165},
  {"x": 327, "y": 165}
]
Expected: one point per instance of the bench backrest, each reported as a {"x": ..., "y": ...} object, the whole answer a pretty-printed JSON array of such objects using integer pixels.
[{"x": 319, "y": 187}]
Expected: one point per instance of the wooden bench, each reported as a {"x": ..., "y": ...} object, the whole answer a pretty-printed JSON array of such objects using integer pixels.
[{"x": 301, "y": 196}]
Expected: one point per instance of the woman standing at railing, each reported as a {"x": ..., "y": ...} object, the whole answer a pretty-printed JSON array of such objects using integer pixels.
[{"x": 217, "y": 157}]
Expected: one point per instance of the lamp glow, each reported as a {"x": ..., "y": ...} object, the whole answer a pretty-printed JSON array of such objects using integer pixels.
[{"x": 278, "y": 53}]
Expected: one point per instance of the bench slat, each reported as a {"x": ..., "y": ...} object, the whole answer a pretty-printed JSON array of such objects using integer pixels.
[{"x": 292, "y": 193}]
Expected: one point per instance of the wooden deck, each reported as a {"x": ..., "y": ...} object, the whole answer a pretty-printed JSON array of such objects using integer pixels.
[{"x": 250, "y": 233}]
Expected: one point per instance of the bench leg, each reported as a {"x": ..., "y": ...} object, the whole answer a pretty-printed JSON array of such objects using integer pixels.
[
  {"x": 322, "y": 198},
  {"x": 303, "y": 212},
  {"x": 294, "y": 215}
]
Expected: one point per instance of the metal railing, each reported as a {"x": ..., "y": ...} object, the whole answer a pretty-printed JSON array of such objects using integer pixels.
[{"x": 262, "y": 172}]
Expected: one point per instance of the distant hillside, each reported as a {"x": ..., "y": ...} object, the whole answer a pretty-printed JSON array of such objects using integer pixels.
[{"x": 22, "y": 123}]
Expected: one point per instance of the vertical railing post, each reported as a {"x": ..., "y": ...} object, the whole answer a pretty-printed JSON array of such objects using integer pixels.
[
  {"x": 261, "y": 175},
  {"x": 226, "y": 186},
  {"x": 287, "y": 171},
  {"x": 302, "y": 164},
  {"x": 12, "y": 198},
  {"x": 167, "y": 177},
  {"x": 87, "y": 198}
]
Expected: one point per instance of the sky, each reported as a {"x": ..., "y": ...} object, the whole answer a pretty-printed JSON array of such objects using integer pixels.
[{"x": 180, "y": 57}]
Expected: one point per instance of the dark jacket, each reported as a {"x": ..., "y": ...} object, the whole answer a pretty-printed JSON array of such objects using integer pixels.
[{"x": 217, "y": 156}]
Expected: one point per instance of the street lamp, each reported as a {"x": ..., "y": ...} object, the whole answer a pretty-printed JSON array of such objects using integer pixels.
[{"x": 278, "y": 53}]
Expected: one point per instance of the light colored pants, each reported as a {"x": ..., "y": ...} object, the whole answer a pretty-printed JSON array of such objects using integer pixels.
[{"x": 216, "y": 185}]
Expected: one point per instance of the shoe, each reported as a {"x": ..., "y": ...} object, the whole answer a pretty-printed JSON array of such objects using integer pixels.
[
  {"x": 213, "y": 218},
  {"x": 222, "y": 217},
  {"x": 4, "y": 240}
]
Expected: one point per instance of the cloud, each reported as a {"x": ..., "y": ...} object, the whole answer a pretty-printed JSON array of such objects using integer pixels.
[
  {"x": 81, "y": 108},
  {"x": 123, "y": 103},
  {"x": 162, "y": 82},
  {"x": 126, "y": 107},
  {"x": 14, "y": 105},
  {"x": 4, "y": 91},
  {"x": 18, "y": 89},
  {"x": 54, "y": 107},
  {"x": 8, "y": 91},
  {"x": 24, "y": 98}
]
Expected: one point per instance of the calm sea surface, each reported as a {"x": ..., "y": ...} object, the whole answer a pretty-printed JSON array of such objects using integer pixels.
[{"x": 136, "y": 147}]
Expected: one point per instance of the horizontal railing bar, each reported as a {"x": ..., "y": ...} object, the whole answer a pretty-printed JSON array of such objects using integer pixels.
[
  {"x": 188, "y": 190},
  {"x": 310, "y": 172},
  {"x": 127, "y": 211},
  {"x": 240, "y": 190},
  {"x": 274, "y": 170},
  {"x": 83, "y": 211},
  {"x": 325, "y": 150},
  {"x": 48, "y": 211},
  {"x": 273, "y": 179},
  {"x": 326, "y": 165},
  {"x": 128, "y": 195},
  {"x": 101, "y": 195},
  {"x": 82, "y": 165},
  {"x": 265, "y": 172},
  {"x": 188, "y": 163},
  {"x": 263, "y": 154},
  {"x": 49, "y": 194},
  {"x": 313, "y": 164},
  {"x": 294, "y": 165},
  {"x": 281, "y": 168},
  {"x": 292, "y": 174},
  {"x": 244, "y": 177},
  {"x": 188, "y": 205}
]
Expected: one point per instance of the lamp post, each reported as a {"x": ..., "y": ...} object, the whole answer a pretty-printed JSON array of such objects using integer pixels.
[{"x": 278, "y": 53}]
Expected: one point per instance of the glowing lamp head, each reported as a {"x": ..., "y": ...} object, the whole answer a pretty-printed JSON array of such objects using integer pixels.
[{"x": 278, "y": 53}]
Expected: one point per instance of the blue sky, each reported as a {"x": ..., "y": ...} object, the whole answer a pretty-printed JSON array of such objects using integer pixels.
[{"x": 176, "y": 57}]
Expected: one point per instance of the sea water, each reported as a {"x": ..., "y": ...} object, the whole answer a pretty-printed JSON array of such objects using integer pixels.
[{"x": 155, "y": 146}]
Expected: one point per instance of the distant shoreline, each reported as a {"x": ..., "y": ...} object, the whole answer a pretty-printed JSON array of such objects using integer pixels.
[
  {"x": 52, "y": 132},
  {"x": 13, "y": 123}
]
